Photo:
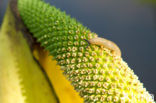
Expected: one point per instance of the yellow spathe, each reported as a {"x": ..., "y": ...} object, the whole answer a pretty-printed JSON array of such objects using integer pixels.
[
  {"x": 63, "y": 89},
  {"x": 21, "y": 78}
]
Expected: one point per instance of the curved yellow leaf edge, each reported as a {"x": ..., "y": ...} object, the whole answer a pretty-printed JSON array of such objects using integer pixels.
[
  {"x": 63, "y": 88},
  {"x": 21, "y": 78}
]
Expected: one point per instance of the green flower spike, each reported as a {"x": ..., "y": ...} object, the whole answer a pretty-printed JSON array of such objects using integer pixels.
[{"x": 95, "y": 73}]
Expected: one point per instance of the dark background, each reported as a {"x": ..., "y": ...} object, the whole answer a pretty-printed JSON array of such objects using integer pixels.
[{"x": 129, "y": 23}]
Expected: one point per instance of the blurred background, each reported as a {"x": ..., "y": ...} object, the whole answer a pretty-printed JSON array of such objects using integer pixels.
[{"x": 129, "y": 23}]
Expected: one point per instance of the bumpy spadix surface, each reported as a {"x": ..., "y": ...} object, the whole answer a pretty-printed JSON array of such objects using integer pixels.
[{"x": 93, "y": 71}]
